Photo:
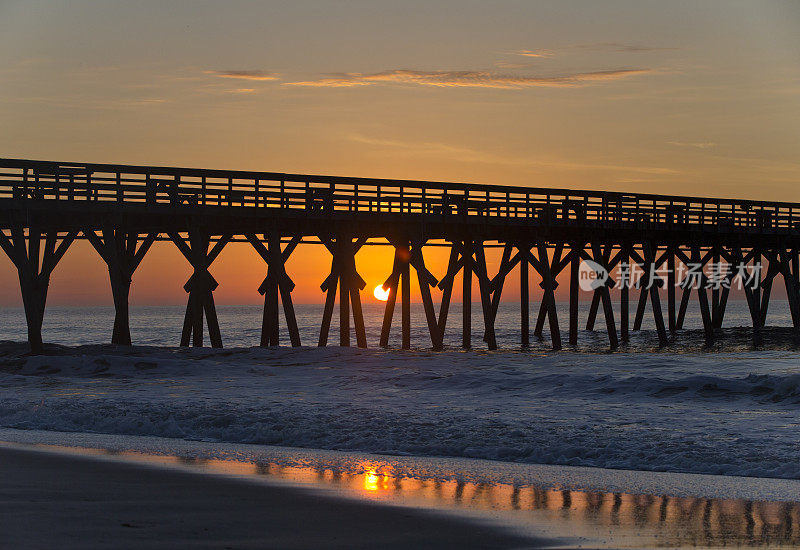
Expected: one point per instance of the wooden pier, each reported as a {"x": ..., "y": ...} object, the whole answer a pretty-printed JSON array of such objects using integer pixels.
[{"x": 122, "y": 210}]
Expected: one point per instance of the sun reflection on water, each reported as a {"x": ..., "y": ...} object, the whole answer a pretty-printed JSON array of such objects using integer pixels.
[
  {"x": 649, "y": 519},
  {"x": 371, "y": 481},
  {"x": 376, "y": 477}
]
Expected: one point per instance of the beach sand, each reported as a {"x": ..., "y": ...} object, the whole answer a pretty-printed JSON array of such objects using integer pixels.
[{"x": 54, "y": 500}]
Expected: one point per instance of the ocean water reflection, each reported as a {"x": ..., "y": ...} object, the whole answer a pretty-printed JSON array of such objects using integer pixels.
[{"x": 601, "y": 518}]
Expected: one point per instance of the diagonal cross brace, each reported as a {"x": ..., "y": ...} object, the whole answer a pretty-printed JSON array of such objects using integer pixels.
[
  {"x": 275, "y": 261},
  {"x": 336, "y": 268}
]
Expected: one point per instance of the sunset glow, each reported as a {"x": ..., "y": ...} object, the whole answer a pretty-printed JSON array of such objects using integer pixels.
[{"x": 534, "y": 96}]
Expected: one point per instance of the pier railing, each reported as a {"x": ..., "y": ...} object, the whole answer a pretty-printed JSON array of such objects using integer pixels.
[{"x": 27, "y": 180}]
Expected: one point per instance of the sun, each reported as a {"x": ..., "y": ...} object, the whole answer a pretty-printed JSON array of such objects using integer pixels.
[{"x": 381, "y": 294}]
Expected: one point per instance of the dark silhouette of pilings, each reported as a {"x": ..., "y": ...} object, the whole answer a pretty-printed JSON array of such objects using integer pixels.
[
  {"x": 34, "y": 267},
  {"x": 276, "y": 283},
  {"x": 468, "y": 257},
  {"x": 408, "y": 254},
  {"x": 122, "y": 210},
  {"x": 200, "y": 286},
  {"x": 122, "y": 251},
  {"x": 343, "y": 275}
]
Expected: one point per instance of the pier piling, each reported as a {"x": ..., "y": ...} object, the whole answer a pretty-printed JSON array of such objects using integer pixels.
[{"x": 123, "y": 210}]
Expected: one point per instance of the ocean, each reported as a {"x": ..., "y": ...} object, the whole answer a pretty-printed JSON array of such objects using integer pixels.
[
  {"x": 731, "y": 409},
  {"x": 241, "y": 326}
]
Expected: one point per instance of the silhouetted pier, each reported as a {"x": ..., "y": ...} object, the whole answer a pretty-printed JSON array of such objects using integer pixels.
[{"x": 122, "y": 210}]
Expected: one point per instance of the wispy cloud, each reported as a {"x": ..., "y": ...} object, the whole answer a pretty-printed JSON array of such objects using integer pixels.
[
  {"x": 512, "y": 66},
  {"x": 621, "y": 47},
  {"x": 591, "y": 46},
  {"x": 694, "y": 144},
  {"x": 246, "y": 75},
  {"x": 143, "y": 101},
  {"x": 467, "y": 79},
  {"x": 338, "y": 80},
  {"x": 88, "y": 102},
  {"x": 467, "y": 154},
  {"x": 535, "y": 53}
]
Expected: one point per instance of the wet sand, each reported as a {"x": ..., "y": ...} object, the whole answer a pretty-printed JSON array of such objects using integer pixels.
[
  {"x": 55, "y": 500},
  {"x": 586, "y": 507}
]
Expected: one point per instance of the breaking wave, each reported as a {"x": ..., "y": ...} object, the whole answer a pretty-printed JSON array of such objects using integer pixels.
[{"x": 733, "y": 414}]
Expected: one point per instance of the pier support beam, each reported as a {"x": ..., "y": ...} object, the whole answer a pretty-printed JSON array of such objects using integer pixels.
[
  {"x": 344, "y": 276},
  {"x": 545, "y": 269},
  {"x": 641, "y": 307},
  {"x": 649, "y": 285},
  {"x": 524, "y": 304},
  {"x": 602, "y": 295},
  {"x": 200, "y": 286},
  {"x": 716, "y": 273},
  {"x": 122, "y": 252},
  {"x": 446, "y": 286},
  {"x": 276, "y": 283},
  {"x": 624, "y": 293},
  {"x": 496, "y": 284},
  {"x": 671, "y": 288},
  {"x": 793, "y": 285},
  {"x": 484, "y": 286},
  {"x": 401, "y": 256},
  {"x": 406, "y": 255},
  {"x": 728, "y": 274},
  {"x": 34, "y": 267},
  {"x": 701, "y": 281},
  {"x": 766, "y": 278},
  {"x": 556, "y": 266},
  {"x": 751, "y": 284},
  {"x": 574, "y": 282},
  {"x": 655, "y": 283},
  {"x": 685, "y": 285},
  {"x": 604, "y": 259},
  {"x": 790, "y": 282},
  {"x": 468, "y": 257},
  {"x": 649, "y": 269},
  {"x": 525, "y": 258},
  {"x": 795, "y": 272}
]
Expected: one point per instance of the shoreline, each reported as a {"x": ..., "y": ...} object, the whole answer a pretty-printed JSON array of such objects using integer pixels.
[
  {"x": 718, "y": 414},
  {"x": 53, "y": 499},
  {"x": 211, "y": 456},
  {"x": 635, "y": 509}
]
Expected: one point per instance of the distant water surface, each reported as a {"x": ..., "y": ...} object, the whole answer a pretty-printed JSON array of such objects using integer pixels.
[{"x": 241, "y": 326}]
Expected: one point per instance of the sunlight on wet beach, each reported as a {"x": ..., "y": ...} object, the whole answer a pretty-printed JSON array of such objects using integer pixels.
[{"x": 600, "y": 518}]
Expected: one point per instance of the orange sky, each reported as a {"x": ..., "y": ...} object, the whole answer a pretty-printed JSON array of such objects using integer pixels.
[{"x": 672, "y": 97}]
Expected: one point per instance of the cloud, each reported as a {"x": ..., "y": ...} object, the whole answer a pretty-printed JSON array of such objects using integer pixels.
[
  {"x": 246, "y": 75},
  {"x": 467, "y": 79},
  {"x": 536, "y": 53},
  {"x": 696, "y": 144},
  {"x": 619, "y": 47},
  {"x": 145, "y": 101},
  {"x": 466, "y": 154},
  {"x": 343, "y": 80},
  {"x": 592, "y": 46},
  {"x": 507, "y": 65}
]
